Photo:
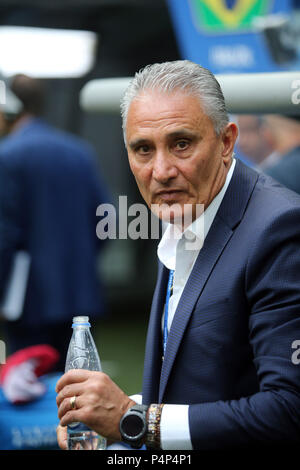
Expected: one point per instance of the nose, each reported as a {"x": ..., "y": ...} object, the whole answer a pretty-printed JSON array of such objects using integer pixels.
[{"x": 164, "y": 168}]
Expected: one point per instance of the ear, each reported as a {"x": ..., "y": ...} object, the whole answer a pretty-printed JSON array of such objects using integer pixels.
[{"x": 229, "y": 136}]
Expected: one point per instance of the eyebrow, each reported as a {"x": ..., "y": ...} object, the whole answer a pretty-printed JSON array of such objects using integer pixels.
[
  {"x": 135, "y": 143},
  {"x": 181, "y": 133},
  {"x": 172, "y": 135}
]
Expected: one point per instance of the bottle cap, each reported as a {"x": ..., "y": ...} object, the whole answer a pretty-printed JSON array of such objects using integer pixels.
[{"x": 81, "y": 321}]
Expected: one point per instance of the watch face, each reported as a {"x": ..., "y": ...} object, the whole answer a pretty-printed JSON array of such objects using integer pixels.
[{"x": 133, "y": 425}]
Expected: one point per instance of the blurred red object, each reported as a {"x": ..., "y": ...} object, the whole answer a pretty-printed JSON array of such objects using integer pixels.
[{"x": 19, "y": 376}]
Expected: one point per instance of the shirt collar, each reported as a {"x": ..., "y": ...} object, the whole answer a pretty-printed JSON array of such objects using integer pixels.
[{"x": 166, "y": 250}]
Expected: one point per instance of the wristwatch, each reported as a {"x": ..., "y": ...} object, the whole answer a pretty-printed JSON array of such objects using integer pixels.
[{"x": 133, "y": 425}]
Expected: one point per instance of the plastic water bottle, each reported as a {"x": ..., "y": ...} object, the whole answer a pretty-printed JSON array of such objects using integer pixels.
[{"x": 83, "y": 354}]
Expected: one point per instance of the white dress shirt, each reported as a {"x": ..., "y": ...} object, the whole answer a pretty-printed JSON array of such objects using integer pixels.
[{"x": 180, "y": 256}]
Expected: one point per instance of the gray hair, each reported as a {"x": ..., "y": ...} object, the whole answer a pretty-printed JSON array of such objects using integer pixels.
[{"x": 179, "y": 75}]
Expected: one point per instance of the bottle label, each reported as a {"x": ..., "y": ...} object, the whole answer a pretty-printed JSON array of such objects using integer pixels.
[{"x": 78, "y": 427}]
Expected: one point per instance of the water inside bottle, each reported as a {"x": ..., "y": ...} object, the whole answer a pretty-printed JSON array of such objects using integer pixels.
[{"x": 87, "y": 440}]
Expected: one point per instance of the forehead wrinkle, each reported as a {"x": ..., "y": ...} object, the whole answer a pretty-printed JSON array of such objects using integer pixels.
[
  {"x": 163, "y": 116},
  {"x": 168, "y": 108},
  {"x": 184, "y": 121},
  {"x": 173, "y": 128}
]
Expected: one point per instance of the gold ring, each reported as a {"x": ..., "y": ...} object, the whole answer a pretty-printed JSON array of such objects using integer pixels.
[{"x": 73, "y": 402}]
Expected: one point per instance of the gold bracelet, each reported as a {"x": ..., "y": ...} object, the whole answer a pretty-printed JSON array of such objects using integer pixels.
[{"x": 153, "y": 433}]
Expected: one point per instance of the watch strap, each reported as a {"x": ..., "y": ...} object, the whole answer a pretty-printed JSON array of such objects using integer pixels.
[{"x": 153, "y": 433}]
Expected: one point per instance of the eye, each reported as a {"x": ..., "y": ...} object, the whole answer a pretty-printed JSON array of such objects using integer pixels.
[
  {"x": 181, "y": 145},
  {"x": 143, "y": 149}
]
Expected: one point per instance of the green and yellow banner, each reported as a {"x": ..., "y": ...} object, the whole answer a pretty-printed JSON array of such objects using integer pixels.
[{"x": 221, "y": 16}]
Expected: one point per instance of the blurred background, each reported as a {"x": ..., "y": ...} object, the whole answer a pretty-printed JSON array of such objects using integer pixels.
[
  {"x": 127, "y": 35},
  {"x": 67, "y": 43}
]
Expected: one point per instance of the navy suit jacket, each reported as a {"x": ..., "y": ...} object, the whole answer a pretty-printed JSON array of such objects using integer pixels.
[
  {"x": 50, "y": 188},
  {"x": 229, "y": 350}
]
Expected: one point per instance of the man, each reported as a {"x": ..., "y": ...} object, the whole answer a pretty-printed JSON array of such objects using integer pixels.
[
  {"x": 283, "y": 132},
  {"x": 252, "y": 141},
  {"x": 218, "y": 372},
  {"x": 50, "y": 188}
]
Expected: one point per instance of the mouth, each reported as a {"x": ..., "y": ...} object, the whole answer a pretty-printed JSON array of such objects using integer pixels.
[{"x": 169, "y": 194}]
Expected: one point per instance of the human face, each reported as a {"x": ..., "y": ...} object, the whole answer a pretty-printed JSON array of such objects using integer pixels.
[
  {"x": 174, "y": 153},
  {"x": 252, "y": 141}
]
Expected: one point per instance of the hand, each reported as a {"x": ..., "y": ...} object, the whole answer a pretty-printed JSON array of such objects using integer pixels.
[
  {"x": 62, "y": 437},
  {"x": 100, "y": 403}
]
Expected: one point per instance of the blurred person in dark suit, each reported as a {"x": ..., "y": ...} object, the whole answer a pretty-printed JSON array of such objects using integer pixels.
[
  {"x": 283, "y": 133},
  {"x": 252, "y": 141},
  {"x": 50, "y": 187}
]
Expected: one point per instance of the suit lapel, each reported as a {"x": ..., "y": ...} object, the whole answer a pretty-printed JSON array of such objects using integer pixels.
[{"x": 228, "y": 216}]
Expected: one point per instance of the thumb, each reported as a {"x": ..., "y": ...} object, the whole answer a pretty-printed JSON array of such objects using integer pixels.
[{"x": 62, "y": 437}]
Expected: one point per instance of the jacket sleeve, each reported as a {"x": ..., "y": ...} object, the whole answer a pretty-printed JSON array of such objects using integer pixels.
[
  {"x": 272, "y": 286},
  {"x": 99, "y": 192},
  {"x": 10, "y": 223}
]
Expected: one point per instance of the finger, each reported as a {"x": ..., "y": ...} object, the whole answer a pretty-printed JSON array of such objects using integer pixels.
[
  {"x": 69, "y": 391},
  {"x": 72, "y": 376},
  {"x": 72, "y": 416},
  {"x": 66, "y": 406},
  {"x": 62, "y": 437}
]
